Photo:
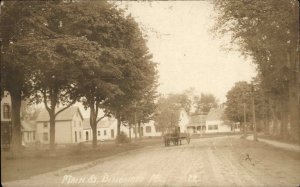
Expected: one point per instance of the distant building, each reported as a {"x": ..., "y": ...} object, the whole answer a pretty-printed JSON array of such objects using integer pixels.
[
  {"x": 106, "y": 129},
  {"x": 28, "y": 129},
  {"x": 215, "y": 122},
  {"x": 150, "y": 130},
  {"x": 197, "y": 124},
  {"x": 6, "y": 128},
  {"x": 68, "y": 126}
]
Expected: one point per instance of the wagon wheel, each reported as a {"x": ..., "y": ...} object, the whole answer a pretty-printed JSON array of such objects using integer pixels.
[{"x": 188, "y": 139}]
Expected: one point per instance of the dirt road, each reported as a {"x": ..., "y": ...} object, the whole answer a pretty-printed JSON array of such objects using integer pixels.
[{"x": 221, "y": 161}]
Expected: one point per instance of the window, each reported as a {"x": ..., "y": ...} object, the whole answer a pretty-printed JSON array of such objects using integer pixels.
[
  {"x": 148, "y": 129},
  {"x": 79, "y": 135},
  {"x": 45, "y": 125},
  {"x": 6, "y": 111},
  {"x": 104, "y": 132},
  {"x": 157, "y": 128},
  {"x": 27, "y": 135},
  {"x": 33, "y": 136},
  {"x": 75, "y": 136},
  {"x": 45, "y": 136},
  {"x": 98, "y": 133}
]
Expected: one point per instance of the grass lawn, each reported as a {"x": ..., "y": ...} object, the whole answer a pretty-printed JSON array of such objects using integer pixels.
[{"x": 34, "y": 162}]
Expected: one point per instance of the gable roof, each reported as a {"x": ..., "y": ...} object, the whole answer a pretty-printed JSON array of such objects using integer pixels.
[
  {"x": 196, "y": 119},
  {"x": 215, "y": 114},
  {"x": 104, "y": 123},
  {"x": 66, "y": 115}
]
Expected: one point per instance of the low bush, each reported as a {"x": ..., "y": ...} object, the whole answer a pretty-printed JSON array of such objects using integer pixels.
[{"x": 122, "y": 138}]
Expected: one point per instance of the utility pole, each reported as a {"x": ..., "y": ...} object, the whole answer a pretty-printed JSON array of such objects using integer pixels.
[
  {"x": 245, "y": 125},
  {"x": 135, "y": 135},
  {"x": 129, "y": 132},
  {"x": 253, "y": 114}
]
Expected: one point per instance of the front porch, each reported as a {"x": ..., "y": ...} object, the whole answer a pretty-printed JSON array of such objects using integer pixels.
[{"x": 196, "y": 129}]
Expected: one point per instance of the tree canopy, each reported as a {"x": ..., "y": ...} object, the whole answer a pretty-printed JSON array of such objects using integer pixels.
[
  {"x": 61, "y": 52},
  {"x": 205, "y": 102},
  {"x": 268, "y": 33}
]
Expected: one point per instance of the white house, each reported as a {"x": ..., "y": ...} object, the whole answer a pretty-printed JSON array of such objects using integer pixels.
[
  {"x": 106, "y": 129},
  {"x": 150, "y": 130},
  {"x": 6, "y": 129},
  {"x": 68, "y": 126},
  {"x": 197, "y": 124},
  {"x": 87, "y": 130},
  {"x": 28, "y": 129},
  {"x": 215, "y": 122}
]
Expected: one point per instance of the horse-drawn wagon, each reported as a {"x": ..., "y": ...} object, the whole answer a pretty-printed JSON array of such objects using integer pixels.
[{"x": 175, "y": 136}]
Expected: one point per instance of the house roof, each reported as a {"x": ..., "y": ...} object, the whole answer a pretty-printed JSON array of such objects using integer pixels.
[
  {"x": 104, "y": 123},
  {"x": 28, "y": 125},
  {"x": 66, "y": 115},
  {"x": 197, "y": 119},
  {"x": 215, "y": 114}
]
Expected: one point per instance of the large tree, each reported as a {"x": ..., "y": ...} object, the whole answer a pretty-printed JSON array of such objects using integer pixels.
[
  {"x": 168, "y": 110},
  {"x": 239, "y": 105},
  {"x": 268, "y": 32},
  {"x": 121, "y": 71},
  {"x": 139, "y": 74},
  {"x": 142, "y": 109},
  {"x": 238, "y": 98},
  {"x": 16, "y": 25},
  {"x": 205, "y": 102},
  {"x": 50, "y": 49},
  {"x": 57, "y": 78}
]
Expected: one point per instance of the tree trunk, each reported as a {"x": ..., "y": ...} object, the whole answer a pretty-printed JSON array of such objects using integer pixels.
[
  {"x": 93, "y": 124},
  {"x": 16, "y": 141},
  {"x": 245, "y": 122},
  {"x": 139, "y": 129},
  {"x": 294, "y": 108},
  {"x": 129, "y": 133},
  {"x": 52, "y": 129},
  {"x": 94, "y": 131},
  {"x": 118, "y": 124},
  {"x": 284, "y": 121},
  {"x": 294, "y": 88},
  {"x": 135, "y": 132}
]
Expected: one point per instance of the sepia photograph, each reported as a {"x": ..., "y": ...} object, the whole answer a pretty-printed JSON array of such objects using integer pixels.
[{"x": 183, "y": 93}]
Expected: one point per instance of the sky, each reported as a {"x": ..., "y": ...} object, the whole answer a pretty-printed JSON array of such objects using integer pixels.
[{"x": 178, "y": 34}]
